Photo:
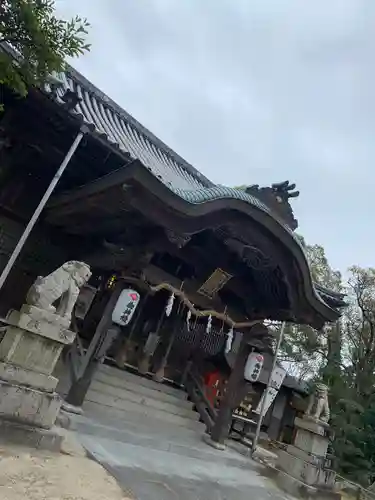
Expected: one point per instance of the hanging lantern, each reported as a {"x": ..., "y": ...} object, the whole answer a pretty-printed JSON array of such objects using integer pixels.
[
  {"x": 209, "y": 323},
  {"x": 228, "y": 344},
  {"x": 169, "y": 306},
  {"x": 188, "y": 317}
]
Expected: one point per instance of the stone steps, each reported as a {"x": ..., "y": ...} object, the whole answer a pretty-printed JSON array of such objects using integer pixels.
[
  {"x": 116, "y": 398},
  {"x": 125, "y": 395},
  {"x": 133, "y": 398},
  {"x": 137, "y": 413},
  {"x": 139, "y": 380},
  {"x": 114, "y": 380},
  {"x": 135, "y": 423}
]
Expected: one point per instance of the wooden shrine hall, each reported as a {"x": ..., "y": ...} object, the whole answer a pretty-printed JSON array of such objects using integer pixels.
[{"x": 209, "y": 262}]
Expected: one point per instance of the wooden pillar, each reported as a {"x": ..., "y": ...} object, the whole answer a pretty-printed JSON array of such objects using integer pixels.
[
  {"x": 236, "y": 381},
  {"x": 78, "y": 390},
  {"x": 159, "y": 374},
  {"x": 144, "y": 362}
]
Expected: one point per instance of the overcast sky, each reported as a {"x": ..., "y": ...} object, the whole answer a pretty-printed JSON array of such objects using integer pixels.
[{"x": 254, "y": 91}]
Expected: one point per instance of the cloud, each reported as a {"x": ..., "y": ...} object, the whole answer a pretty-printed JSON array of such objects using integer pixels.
[{"x": 254, "y": 92}]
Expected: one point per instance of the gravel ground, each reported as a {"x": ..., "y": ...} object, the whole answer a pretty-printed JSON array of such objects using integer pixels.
[{"x": 38, "y": 475}]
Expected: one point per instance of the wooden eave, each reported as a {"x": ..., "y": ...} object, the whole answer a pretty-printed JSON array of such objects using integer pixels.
[{"x": 136, "y": 187}]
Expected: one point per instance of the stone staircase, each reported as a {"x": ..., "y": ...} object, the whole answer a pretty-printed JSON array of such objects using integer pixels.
[
  {"x": 119, "y": 395},
  {"x": 148, "y": 436},
  {"x": 154, "y": 460}
]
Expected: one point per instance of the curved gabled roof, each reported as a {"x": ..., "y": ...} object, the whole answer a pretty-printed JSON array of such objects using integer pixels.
[{"x": 123, "y": 132}]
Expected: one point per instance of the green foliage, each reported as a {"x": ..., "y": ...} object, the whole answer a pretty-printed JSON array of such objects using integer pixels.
[
  {"x": 354, "y": 444},
  {"x": 355, "y": 422},
  {"x": 343, "y": 356},
  {"x": 41, "y": 40},
  {"x": 321, "y": 271},
  {"x": 312, "y": 351}
]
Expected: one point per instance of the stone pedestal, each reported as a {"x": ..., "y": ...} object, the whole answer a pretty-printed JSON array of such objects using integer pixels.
[
  {"x": 306, "y": 460},
  {"x": 29, "y": 352}
]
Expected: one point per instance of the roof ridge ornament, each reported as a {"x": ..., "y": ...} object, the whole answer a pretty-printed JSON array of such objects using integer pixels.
[{"x": 277, "y": 198}]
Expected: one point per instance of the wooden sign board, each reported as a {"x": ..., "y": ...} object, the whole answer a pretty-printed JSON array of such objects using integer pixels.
[
  {"x": 214, "y": 283},
  {"x": 277, "y": 378}
]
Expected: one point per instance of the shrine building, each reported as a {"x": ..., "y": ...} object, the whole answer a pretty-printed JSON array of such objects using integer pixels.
[{"x": 210, "y": 263}]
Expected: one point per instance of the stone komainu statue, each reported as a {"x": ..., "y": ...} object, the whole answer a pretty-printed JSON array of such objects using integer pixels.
[
  {"x": 318, "y": 408},
  {"x": 64, "y": 283}
]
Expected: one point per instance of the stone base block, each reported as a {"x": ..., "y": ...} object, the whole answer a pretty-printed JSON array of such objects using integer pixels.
[
  {"x": 301, "y": 490},
  {"x": 34, "y": 339},
  {"x": 311, "y": 437},
  {"x": 28, "y": 406},
  {"x": 316, "y": 427},
  {"x": 307, "y": 472},
  {"x": 32, "y": 352},
  {"x": 20, "y": 376},
  {"x": 37, "y": 324},
  {"x": 308, "y": 457},
  {"x": 24, "y": 435}
]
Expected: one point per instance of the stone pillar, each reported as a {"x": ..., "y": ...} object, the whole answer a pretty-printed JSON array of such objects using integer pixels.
[
  {"x": 306, "y": 459},
  {"x": 29, "y": 351}
]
